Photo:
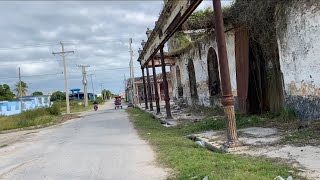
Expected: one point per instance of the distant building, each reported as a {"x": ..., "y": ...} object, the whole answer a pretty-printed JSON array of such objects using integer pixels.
[
  {"x": 77, "y": 95},
  {"x": 28, "y": 103}
]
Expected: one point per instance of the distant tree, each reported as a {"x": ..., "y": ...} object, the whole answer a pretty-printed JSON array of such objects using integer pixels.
[
  {"x": 5, "y": 93},
  {"x": 24, "y": 88},
  {"x": 37, "y": 93},
  {"x": 106, "y": 94},
  {"x": 58, "y": 95}
]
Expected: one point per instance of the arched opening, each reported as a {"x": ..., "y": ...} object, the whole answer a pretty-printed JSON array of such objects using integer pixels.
[
  {"x": 213, "y": 73},
  {"x": 179, "y": 84},
  {"x": 192, "y": 80}
]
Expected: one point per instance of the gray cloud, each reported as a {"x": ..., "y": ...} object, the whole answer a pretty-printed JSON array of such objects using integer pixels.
[{"x": 97, "y": 31}]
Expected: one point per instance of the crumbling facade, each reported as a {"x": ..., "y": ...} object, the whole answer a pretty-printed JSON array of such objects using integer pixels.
[
  {"x": 196, "y": 77},
  {"x": 299, "y": 49},
  {"x": 195, "y": 74}
]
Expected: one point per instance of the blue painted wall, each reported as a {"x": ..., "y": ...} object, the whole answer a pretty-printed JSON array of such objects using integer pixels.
[{"x": 29, "y": 102}]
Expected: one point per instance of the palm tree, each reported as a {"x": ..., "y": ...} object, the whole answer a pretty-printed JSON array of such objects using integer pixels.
[{"x": 24, "y": 88}]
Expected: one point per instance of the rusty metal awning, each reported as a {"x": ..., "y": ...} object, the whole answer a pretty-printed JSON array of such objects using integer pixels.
[{"x": 174, "y": 14}]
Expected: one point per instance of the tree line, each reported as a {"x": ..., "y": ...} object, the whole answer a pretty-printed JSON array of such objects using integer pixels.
[{"x": 6, "y": 94}]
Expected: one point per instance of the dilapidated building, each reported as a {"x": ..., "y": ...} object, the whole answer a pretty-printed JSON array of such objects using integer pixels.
[
  {"x": 272, "y": 48},
  {"x": 266, "y": 73}
]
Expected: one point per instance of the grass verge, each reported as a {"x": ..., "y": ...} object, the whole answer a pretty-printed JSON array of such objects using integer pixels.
[
  {"x": 75, "y": 106},
  {"x": 191, "y": 161},
  {"x": 34, "y": 118}
]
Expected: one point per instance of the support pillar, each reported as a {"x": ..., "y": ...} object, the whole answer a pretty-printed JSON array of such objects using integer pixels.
[
  {"x": 155, "y": 83},
  {"x": 165, "y": 83},
  {"x": 144, "y": 89},
  {"x": 227, "y": 97},
  {"x": 149, "y": 89}
]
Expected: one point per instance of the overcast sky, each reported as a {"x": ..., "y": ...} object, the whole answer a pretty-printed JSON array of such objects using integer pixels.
[{"x": 98, "y": 32}]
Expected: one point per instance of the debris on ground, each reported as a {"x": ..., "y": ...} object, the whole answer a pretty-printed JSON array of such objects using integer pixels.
[
  {"x": 201, "y": 143},
  {"x": 281, "y": 178},
  {"x": 257, "y": 141}
]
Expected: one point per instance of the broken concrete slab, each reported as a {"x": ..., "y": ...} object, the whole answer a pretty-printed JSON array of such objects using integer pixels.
[{"x": 258, "y": 141}]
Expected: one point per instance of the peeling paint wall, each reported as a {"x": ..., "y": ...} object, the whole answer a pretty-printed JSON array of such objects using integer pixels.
[
  {"x": 199, "y": 54},
  {"x": 299, "y": 48}
]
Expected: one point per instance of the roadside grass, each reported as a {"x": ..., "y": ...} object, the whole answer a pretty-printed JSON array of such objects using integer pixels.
[
  {"x": 75, "y": 106},
  {"x": 34, "y": 118},
  {"x": 188, "y": 160},
  {"x": 285, "y": 120}
]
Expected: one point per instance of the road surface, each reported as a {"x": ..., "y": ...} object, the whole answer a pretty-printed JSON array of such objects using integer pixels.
[{"x": 101, "y": 145}]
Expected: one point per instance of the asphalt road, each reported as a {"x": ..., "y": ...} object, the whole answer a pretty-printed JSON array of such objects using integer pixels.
[{"x": 101, "y": 145}]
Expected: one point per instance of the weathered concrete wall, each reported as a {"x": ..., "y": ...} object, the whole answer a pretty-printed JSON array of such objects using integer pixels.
[
  {"x": 198, "y": 54},
  {"x": 299, "y": 48}
]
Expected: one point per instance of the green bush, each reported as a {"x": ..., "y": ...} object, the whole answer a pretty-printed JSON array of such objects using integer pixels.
[{"x": 54, "y": 110}]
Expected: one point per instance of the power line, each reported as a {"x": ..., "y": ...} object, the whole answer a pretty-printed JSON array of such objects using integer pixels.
[{"x": 75, "y": 42}]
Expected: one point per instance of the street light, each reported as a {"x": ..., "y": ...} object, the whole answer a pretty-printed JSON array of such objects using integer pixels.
[{"x": 143, "y": 43}]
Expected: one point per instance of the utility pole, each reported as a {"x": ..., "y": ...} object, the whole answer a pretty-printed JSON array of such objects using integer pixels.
[
  {"x": 132, "y": 74},
  {"x": 84, "y": 81},
  {"x": 94, "y": 96},
  {"x": 125, "y": 86},
  {"x": 63, "y": 54},
  {"x": 20, "y": 89}
]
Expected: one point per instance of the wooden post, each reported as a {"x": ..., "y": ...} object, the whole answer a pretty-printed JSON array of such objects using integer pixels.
[{"x": 165, "y": 83}]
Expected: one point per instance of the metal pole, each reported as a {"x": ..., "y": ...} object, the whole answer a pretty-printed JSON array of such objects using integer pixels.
[
  {"x": 20, "y": 89},
  {"x": 144, "y": 89},
  {"x": 155, "y": 82},
  {"x": 165, "y": 83},
  {"x": 149, "y": 89},
  {"x": 65, "y": 79},
  {"x": 227, "y": 97}
]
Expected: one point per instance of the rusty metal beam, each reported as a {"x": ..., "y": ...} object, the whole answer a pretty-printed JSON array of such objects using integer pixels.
[
  {"x": 149, "y": 90},
  {"x": 155, "y": 82},
  {"x": 165, "y": 83},
  {"x": 144, "y": 90},
  {"x": 157, "y": 62},
  {"x": 227, "y": 96},
  {"x": 166, "y": 26}
]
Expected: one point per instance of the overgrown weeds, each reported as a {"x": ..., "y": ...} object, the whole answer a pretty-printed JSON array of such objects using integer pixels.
[
  {"x": 192, "y": 162},
  {"x": 29, "y": 118},
  {"x": 205, "y": 111}
]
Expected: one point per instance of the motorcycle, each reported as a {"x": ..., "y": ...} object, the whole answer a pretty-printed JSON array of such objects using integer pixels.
[{"x": 95, "y": 107}]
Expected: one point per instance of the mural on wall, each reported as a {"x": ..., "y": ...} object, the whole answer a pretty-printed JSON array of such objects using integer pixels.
[{"x": 28, "y": 103}]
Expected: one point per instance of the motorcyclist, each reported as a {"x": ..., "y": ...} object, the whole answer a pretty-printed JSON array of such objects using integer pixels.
[{"x": 95, "y": 105}]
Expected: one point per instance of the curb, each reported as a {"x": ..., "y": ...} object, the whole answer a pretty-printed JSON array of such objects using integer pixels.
[{"x": 155, "y": 117}]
